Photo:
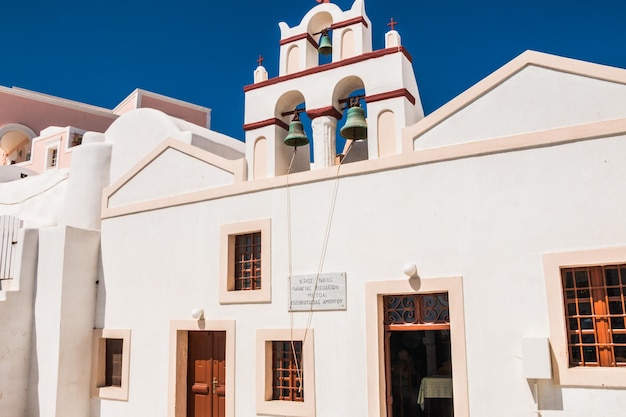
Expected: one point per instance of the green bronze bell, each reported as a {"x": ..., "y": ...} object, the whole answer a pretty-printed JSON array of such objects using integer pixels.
[
  {"x": 356, "y": 126},
  {"x": 325, "y": 47},
  {"x": 296, "y": 136}
]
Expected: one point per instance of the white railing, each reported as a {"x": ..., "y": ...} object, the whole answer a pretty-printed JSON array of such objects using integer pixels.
[{"x": 9, "y": 229}]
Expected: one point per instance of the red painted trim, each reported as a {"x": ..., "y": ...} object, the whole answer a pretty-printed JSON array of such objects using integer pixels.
[
  {"x": 326, "y": 67},
  {"x": 337, "y": 25},
  {"x": 402, "y": 92},
  {"x": 324, "y": 111},
  {"x": 299, "y": 37},
  {"x": 349, "y": 22},
  {"x": 332, "y": 111},
  {"x": 264, "y": 123}
]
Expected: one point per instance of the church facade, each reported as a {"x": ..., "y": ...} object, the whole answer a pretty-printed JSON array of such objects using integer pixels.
[{"x": 467, "y": 262}]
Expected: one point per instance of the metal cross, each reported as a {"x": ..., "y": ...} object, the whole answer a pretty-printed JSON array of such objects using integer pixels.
[
  {"x": 392, "y": 24},
  {"x": 260, "y": 60}
]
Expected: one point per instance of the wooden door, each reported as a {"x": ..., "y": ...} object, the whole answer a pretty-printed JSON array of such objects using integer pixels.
[{"x": 206, "y": 374}]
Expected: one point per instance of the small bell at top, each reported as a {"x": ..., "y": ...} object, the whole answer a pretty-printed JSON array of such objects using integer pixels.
[
  {"x": 325, "y": 47},
  {"x": 296, "y": 136}
]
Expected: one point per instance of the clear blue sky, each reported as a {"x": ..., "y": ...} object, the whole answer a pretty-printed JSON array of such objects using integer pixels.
[{"x": 205, "y": 51}]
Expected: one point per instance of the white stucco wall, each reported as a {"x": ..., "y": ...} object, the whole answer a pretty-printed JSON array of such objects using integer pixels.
[
  {"x": 488, "y": 219},
  {"x": 64, "y": 311},
  {"x": 89, "y": 175},
  {"x": 171, "y": 173},
  {"x": 36, "y": 200},
  {"x": 16, "y": 324},
  {"x": 47, "y": 317},
  {"x": 135, "y": 134},
  {"x": 533, "y": 99}
]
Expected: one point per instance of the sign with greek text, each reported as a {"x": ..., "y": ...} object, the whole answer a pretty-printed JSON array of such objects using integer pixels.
[{"x": 318, "y": 293}]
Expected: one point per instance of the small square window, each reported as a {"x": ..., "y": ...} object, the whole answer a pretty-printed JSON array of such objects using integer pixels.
[
  {"x": 52, "y": 157},
  {"x": 285, "y": 372},
  {"x": 595, "y": 310},
  {"x": 586, "y": 292},
  {"x": 111, "y": 356},
  {"x": 75, "y": 139},
  {"x": 245, "y": 262},
  {"x": 113, "y": 362}
]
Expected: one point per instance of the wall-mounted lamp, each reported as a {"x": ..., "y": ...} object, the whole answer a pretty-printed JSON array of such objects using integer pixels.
[
  {"x": 197, "y": 313},
  {"x": 410, "y": 270}
]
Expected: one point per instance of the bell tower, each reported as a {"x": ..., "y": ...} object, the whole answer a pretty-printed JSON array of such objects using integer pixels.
[{"x": 327, "y": 68}]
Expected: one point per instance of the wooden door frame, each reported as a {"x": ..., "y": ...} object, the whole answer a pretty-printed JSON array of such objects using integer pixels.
[
  {"x": 375, "y": 337},
  {"x": 179, "y": 344},
  {"x": 388, "y": 330}
]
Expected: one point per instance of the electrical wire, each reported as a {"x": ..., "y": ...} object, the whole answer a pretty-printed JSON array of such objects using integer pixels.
[
  {"x": 322, "y": 257},
  {"x": 331, "y": 213},
  {"x": 291, "y": 338}
]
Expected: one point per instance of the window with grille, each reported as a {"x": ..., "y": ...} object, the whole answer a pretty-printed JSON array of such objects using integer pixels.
[
  {"x": 245, "y": 262},
  {"x": 594, "y": 298},
  {"x": 416, "y": 309},
  {"x": 52, "y": 157},
  {"x": 287, "y": 371},
  {"x": 248, "y": 261}
]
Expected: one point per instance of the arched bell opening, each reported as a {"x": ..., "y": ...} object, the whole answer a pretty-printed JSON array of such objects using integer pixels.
[
  {"x": 319, "y": 29},
  {"x": 294, "y": 138},
  {"x": 352, "y": 132},
  {"x": 308, "y": 130},
  {"x": 15, "y": 144},
  {"x": 324, "y": 47}
]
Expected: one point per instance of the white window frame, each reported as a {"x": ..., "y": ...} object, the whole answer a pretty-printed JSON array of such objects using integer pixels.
[
  {"x": 50, "y": 159},
  {"x": 228, "y": 232},
  {"x": 98, "y": 387},
  {"x": 583, "y": 376}
]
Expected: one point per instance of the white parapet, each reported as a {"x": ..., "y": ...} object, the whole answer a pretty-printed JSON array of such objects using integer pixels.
[{"x": 64, "y": 318}]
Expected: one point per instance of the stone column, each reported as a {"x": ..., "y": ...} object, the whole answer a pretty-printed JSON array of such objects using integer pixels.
[
  {"x": 324, "y": 127},
  {"x": 65, "y": 305},
  {"x": 324, "y": 141}
]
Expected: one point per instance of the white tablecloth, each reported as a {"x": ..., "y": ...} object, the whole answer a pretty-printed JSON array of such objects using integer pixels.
[{"x": 434, "y": 387}]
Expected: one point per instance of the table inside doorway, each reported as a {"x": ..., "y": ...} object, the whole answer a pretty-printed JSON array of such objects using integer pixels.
[{"x": 434, "y": 387}]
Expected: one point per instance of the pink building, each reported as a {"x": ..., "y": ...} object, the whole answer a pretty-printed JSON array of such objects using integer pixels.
[{"x": 38, "y": 131}]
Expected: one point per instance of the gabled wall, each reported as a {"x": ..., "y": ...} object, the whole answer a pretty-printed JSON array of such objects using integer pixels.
[{"x": 534, "y": 92}]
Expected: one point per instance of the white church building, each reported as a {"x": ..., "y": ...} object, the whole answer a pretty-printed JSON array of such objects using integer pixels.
[{"x": 471, "y": 262}]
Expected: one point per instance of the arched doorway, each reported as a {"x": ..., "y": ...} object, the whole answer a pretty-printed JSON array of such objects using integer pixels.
[{"x": 15, "y": 143}]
